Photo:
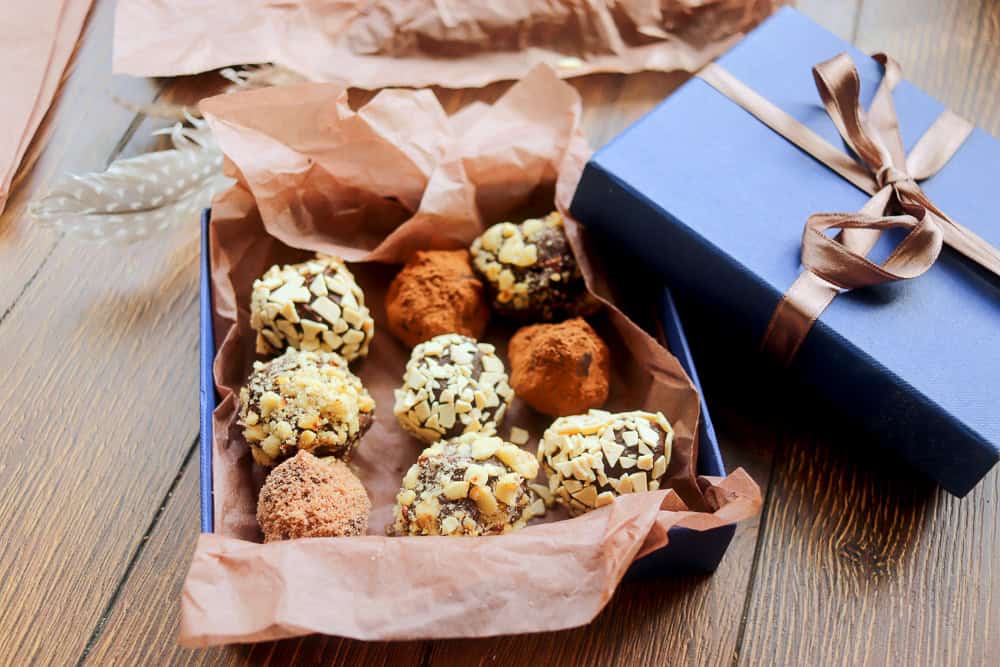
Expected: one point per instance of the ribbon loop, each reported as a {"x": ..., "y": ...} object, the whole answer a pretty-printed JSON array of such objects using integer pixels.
[
  {"x": 832, "y": 263},
  {"x": 889, "y": 175},
  {"x": 881, "y": 168},
  {"x": 840, "y": 90},
  {"x": 839, "y": 265}
]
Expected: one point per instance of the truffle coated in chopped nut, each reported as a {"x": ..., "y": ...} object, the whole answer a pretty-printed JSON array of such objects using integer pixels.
[
  {"x": 436, "y": 293},
  {"x": 303, "y": 400},
  {"x": 592, "y": 458},
  {"x": 475, "y": 484},
  {"x": 560, "y": 369},
  {"x": 452, "y": 385},
  {"x": 313, "y": 306},
  {"x": 311, "y": 497},
  {"x": 530, "y": 270}
]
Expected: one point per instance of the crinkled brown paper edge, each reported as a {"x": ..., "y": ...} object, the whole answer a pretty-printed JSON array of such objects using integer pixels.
[
  {"x": 313, "y": 174},
  {"x": 451, "y": 43}
]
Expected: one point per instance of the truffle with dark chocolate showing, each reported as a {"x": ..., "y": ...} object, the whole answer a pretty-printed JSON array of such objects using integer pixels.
[
  {"x": 475, "y": 484},
  {"x": 303, "y": 400},
  {"x": 437, "y": 292},
  {"x": 592, "y": 458},
  {"x": 530, "y": 270},
  {"x": 315, "y": 305},
  {"x": 452, "y": 385},
  {"x": 560, "y": 369},
  {"x": 311, "y": 497}
]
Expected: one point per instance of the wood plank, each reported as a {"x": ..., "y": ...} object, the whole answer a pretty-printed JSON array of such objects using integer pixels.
[
  {"x": 79, "y": 134},
  {"x": 840, "y": 17},
  {"x": 128, "y": 326},
  {"x": 98, "y": 408},
  {"x": 950, "y": 49},
  {"x": 862, "y": 561}
]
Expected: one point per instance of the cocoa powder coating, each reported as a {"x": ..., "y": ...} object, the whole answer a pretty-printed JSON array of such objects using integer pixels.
[
  {"x": 436, "y": 293},
  {"x": 560, "y": 369},
  {"x": 311, "y": 497}
]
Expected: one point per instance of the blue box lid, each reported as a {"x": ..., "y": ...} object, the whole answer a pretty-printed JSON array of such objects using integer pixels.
[{"x": 715, "y": 201}]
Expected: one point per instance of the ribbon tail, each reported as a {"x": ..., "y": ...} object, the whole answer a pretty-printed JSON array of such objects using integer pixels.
[
  {"x": 969, "y": 244},
  {"x": 795, "y": 315}
]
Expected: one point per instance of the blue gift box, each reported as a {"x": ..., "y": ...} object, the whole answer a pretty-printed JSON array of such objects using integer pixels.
[
  {"x": 688, "y": 551},
  {"x": 714, "y": 202}
]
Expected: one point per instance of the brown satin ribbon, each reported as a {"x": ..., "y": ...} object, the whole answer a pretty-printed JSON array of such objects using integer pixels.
[{"x": 882, "y": 170}]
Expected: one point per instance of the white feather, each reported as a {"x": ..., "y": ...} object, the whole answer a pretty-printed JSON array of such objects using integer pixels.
[{"x": 139, "y": 197}]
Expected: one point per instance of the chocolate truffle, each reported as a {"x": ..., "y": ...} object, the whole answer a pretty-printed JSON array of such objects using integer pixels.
[
  {"x": 452, "y": 385},
  {"x": 530, "y": 269},
  {"x": 592, "y": 458},
  {"x": 475, "y": 484},
  {"x": 303, "y": 400},
  {"x": 560, "y": 369},
  {"x": 315, "y": 305},
  {"x": 311, "y": 497},
  {"x": 436, "y": 293}
]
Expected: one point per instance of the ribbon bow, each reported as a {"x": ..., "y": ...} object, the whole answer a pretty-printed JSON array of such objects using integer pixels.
[{"x": 883, "y": 170}]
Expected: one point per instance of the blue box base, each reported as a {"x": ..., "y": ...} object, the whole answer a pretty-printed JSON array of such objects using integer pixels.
[{"x": 688, "y": 552}]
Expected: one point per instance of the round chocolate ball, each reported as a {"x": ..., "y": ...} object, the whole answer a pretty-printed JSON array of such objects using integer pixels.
[
  {"x": 311, "y": 497},
  {"x": 303, "y": 401},
  {"x": 315, "y": 305},
  {"x": 592, "y": 458},
  {"x": 475, "y": 484},
  {"x": 530, "y": 270},
  {"x": 437, "y": 292},
  {"x": 452, "y": 385},
  {"x": 560, "y": 369}
]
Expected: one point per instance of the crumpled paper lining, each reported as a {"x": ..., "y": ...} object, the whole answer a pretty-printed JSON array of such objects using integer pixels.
[
  {"x": 451, "y": 43},
  {"x": 373, "y": 185}
]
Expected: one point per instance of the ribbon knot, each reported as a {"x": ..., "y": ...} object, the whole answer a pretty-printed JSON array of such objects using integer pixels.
[
  {"x": 832, "y": 264},
  {"x": 889, "y": 175},
  {"x": 880, "y": 167}
]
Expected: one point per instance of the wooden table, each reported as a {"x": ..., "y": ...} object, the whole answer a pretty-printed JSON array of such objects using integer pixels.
[{"x": 853, "y": 560}]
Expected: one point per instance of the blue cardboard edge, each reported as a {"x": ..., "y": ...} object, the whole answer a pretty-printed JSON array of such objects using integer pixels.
[
  {"x": 688, "y": 551},
  {"x": 207, "y": 395}
]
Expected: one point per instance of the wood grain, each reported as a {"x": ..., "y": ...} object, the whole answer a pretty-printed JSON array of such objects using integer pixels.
[
  {"x": 863, "y": 562},
  {"x": 838, "y": 16},
  {"x": 126, "y": 318},
  {"x": 950, "y": 49}
]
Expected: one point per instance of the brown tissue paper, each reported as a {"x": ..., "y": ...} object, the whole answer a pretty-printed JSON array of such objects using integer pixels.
[
  {"x": 452, "y": 43},
  {"x": 374, "y": 185}
]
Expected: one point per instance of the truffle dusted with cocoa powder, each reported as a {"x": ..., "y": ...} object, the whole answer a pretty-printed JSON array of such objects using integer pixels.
[
  {"x": 311, "y": 497},
  {"x": 436, "y": 293},
  {"x": 475, "y": 484},
  {"x": 560, "y": 369},
  {"x": 452, "y": 385},
  {"x": 303, "y": 400},
  {"x": 315, "y": 305},
  {"x": 530, "y": 270},
  {"x": 592, "y": 458}
]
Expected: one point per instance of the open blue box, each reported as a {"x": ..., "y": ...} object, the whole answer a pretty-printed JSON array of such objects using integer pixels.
[
  {"x": 688, "y": 552},
  {"x": 713, "y": 202}
]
